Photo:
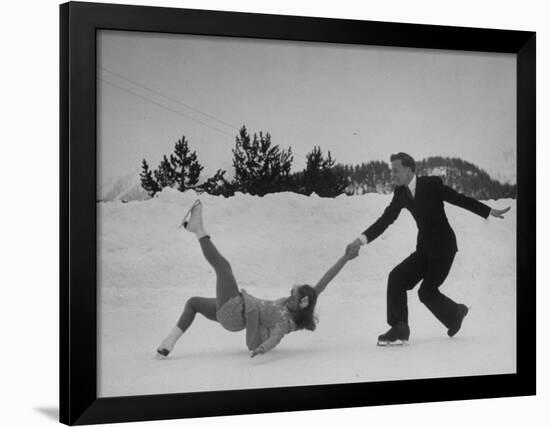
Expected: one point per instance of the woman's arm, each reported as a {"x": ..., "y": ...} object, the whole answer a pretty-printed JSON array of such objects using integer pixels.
[
  {"x": 253, "y": 336},
  {"x": 275, "y": 337},
  {"x": 331, "y": 274}
]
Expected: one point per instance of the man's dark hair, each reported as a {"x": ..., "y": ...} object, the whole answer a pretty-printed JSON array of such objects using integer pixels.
[{"x": 406, "y": 160}]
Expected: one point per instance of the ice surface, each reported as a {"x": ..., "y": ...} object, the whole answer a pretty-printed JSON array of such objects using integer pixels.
[{"x": 148, "y": 268}]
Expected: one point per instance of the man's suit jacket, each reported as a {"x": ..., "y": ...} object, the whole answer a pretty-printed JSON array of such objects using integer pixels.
[{"x": 435, "y": 235}]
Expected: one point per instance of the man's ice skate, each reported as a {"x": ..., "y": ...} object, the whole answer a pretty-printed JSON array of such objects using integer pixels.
[
  {"x": 397, "y": 335},
  {"x": 462, "y": 311}
]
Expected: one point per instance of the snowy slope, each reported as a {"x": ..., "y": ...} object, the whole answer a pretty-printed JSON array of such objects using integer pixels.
[
  {"x": 148, "y": 268},
  {"x": 127, "y": 188}
]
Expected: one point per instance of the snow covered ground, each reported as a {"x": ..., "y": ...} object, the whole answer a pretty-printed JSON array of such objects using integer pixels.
[{"x": 148, "y": 268}]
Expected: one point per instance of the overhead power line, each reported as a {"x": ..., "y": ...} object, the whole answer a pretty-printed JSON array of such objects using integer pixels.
[
  {"x": 163, "y": 106},
  {"x": 177, "y": 101}
]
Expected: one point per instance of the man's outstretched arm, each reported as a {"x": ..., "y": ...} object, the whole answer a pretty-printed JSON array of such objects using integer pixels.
[
  {"x": 451, "y": 196},
  {"x": 469, "y": 203}
]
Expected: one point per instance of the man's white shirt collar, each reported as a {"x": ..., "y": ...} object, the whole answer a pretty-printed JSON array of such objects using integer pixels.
[{"x": 412, "y": 186}]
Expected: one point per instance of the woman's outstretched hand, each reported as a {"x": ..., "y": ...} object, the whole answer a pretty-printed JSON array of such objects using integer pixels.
[
  {"x": 256, "y": 351},
  {"x": 499, "y": 213}
]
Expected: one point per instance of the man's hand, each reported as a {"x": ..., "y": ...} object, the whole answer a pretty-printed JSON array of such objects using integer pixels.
[{"x": 499, "y": 213}]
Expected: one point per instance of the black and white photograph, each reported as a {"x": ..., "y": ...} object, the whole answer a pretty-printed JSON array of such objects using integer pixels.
[
  {"x": 278, "y": 213},
  {"x": 275, "y": 213}
]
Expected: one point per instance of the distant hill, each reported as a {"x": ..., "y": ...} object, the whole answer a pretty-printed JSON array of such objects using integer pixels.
[
  {"x": 466, "y": 178},
  {"x": 463, "y": 176}
]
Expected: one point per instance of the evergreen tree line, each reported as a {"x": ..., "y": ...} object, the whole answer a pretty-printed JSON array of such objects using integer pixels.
[{"x": 261, "y": 167}]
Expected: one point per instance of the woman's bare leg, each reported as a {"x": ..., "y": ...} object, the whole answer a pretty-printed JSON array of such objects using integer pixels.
[
  {"x": 226, "y": 285},
  {"x": 194, "y": 305}
]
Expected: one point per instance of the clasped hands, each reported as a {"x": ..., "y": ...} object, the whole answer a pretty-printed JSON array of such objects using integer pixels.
[{"x": 352, "y": 250}]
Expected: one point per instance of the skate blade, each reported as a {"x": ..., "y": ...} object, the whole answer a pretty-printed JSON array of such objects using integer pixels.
[{"x": 392, "y": 343}]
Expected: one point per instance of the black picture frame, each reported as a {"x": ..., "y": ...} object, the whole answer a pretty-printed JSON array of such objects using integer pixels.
[{"x": 79, "y": 23}]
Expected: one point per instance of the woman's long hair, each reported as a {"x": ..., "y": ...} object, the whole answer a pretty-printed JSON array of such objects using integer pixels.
[{"x": 305, "y": 318}]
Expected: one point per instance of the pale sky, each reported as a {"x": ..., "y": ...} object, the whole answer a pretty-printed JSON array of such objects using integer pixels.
[{"x": 360, "y": 102}]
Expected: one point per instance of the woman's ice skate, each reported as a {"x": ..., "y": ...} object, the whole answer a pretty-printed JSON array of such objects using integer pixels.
[
  {"x": 162, "y": 353},
  {"x": 193, "y": 220},
  {"x": 168, "y": 344}
]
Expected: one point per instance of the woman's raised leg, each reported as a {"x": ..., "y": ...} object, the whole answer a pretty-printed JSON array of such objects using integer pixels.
[{"x": 226, "y": 285}]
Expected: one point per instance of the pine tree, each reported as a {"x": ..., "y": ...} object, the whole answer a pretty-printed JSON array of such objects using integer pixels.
[
  {"x": 182, "y": 170},
  {"x": 312, "y": 173},
  {"x": 147, "y": 181},
  {"x": 165, "y": 174},
  {"x": 217, "y": 185},
  {"x": 187, "y": 168},
  {"x": 320, "y": 175},
  {"x": 260, "y": 167}
]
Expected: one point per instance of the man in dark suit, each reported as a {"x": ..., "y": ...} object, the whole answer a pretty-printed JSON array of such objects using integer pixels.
[{"x": 436, "y": 247}]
